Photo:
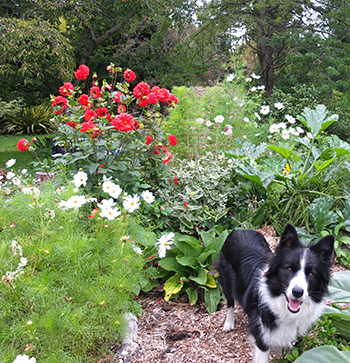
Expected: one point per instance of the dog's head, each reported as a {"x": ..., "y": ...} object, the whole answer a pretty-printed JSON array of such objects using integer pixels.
[{"x": 297, "y": 272}]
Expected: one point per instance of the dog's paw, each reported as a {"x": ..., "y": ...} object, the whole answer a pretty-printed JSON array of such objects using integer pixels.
[{"x": 229, "y": 325}]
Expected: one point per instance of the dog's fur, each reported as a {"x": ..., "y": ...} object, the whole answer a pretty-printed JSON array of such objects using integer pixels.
[{"x": 281, "y": 293}]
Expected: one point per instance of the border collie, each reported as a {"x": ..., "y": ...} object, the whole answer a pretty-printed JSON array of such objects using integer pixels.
[{"x": 282, "y": 292}]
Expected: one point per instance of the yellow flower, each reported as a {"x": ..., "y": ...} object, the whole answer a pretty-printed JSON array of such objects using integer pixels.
[{"x": 286, "y": 170}]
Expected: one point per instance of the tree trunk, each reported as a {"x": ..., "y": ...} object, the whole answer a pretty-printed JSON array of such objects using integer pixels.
[{"x": 268, "y": 72}]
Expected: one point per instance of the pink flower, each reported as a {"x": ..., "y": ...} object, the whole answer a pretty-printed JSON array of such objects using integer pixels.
[
  {"x": 23, "y": 145},
  {"x": 82, "y": 72},
  {"x": 129, "y": 75},
  {"x": 59, "y": 104},
  {"x": 84, "y": 99},
  {"x": 67, "y": 89},
  {"x": 95, "y": 92},
  {"x": 172, "y": 139}
]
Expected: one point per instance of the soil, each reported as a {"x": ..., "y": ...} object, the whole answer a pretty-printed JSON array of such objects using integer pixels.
[{"x": 174, "y": 331}]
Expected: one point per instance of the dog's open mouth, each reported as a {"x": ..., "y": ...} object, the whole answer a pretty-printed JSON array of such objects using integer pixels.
[{"x": 293, "y": 305}]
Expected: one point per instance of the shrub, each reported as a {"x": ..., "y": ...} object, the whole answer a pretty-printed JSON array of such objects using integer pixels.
[{"x": 9, "y": 111}]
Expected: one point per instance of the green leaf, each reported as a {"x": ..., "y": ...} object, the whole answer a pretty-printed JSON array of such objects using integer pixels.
[
  {"x": 211, "y": 282},
  {"x": 283, "y": 151},
  {"x": 170, "y": 264},
  {"x": 317, "y": 120},
  {"x": 92, "y": 167},
  {"x": 201, "y": 279},
  {"x": 172, "y": 286},
  {"x": 320, "y": 165},
  {"x": 325, "y": 354},
  {"x": 187, "y": 261},
  {"x": 321, "y": 214},
  {"x": 188, "y": 245},
  {"x": 192, "y": 295},
  {"x": 212, "y": 299},
  {"x": 339, "y": 287}
]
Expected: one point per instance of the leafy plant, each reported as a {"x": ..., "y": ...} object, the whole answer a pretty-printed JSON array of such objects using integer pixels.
[{"x": 187, "y": 267}]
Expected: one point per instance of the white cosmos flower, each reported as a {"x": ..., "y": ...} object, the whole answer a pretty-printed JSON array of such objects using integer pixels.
[
  {"x": 273, "y": 128},
  {"x": 106, "y": 203},
  {"x": 246, "y": 119},
  {"x": 10, "y": 163},
  {"x": 290, "y": 119},
  {"x": 164, "y": 243},
  {"x": 300, "y": 130},
  {"x": 112, "y": 189},
  {"x": 148, "y": 196},
  {"x": 80, "y": 179},
  {"x": 265, "y": 109},
  {"x": 253, "y": 75},
  {"x": 309, "y": 135},
  {"x": 231, "y": 77},
  {"x": 131, "y": 203},
  {"x": 24, "y": 359},
  {"x": 137, "y": 249},
  {"x": 110, "y": 213},
  {"x": 253, "y": 89},
  {"x": 76, "y": 201},
  {"x": 279, "y": 105},
  {"x": 285, "y": 134},
  {"x": 219, "y": 119},
  {"x": 10, "y": 175},
  {"x": 208, "y": 123},
  {"x": 16, "y": 181}
]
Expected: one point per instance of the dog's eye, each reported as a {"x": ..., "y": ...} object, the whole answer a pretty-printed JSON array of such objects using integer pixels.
[
  {"x": 289, "y": 269},
  {"x": 311, "y": 275}
]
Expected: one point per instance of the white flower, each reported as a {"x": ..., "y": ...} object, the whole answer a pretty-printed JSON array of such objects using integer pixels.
[
  {"x": 309, "y": 135},
  {"x": 261, "y": 87},
  {"x": 282, "y": 125},
  {"x": 253, "y": 75},
  {"x": 199, "y": 120},
  {"x": 112, "y": 189},
  {"x": 110, "y": 213},
  {"x": 253, "y": 89},
  {"x": 106, "y": 203},
  {"x": 10, "y": 175},
  {"x": 279, "y": 105},
  {"x": 209, "y": 138},
  {"x": 80, "y": 179},
  {"x": 76, "y": 201},
  {"x": 248, "y": 79},
  {"x": 285, "y": 134},
  {"x": 10, "y": 163},
  {"x": 31, "y": 190},
  {"x": 300, "y": 130},
  {"x": 208, "y": 123},
  {"x": 24, "y": 171},
  {"x": 231, "y": 77},
  {"x": 24, "y": 359},
  {"x": 290, "y": 119},
  {"x": 131, "y": 203},
  {"x": 23, "y": 262},
  {"x": 138, "y": 250},
  {"x": 265, "y": 109},
  {"x": 246, "y": 119},
  {"x": 164, "y": 243},
  {"x": 273, "y": 128},
  {"x": 219, "y": 119},
  {"x": 148, "y": 197},
  {"x": 16, "y": 181},
  {"x": 293, "y": 131},
  {"x": 59, "y": 189}
]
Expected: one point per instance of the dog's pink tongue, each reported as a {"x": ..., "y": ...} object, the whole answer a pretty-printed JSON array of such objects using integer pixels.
[{"x": 294, "y": 304}]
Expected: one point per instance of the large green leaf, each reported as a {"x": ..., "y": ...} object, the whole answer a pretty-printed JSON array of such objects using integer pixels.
[
  {"x": 202, "y": 277},
  {"x": 283, "y": 151},
  {"x": 212, "y": 299},
  {"x": 339, "y": 287},
  {"x": 320, "y": 165},
  {"x": 321, "y": 214},
  {"x": 172, "y": 286},
  {"x": 170, "y": 264},
  {"x": 190, "y": 261},
  {"x": 318, "y": 119},
  {"x": 192, "y": 295},
  {"x": 188, "y": 245},
  {"x": 325, "y": 354}
]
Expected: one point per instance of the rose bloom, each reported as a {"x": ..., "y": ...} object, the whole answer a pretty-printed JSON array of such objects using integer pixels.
[
  {"x": 148, "y": 140},
  {"x": 129, "y": 75},
  {"x": 95, "y": 92},
  {"x": 23, "y": 145},
  {"x": 89, "y": 114},
  {"x": 82, "y": 72},
  {"x": 172, "y": 139},
  {"x": 124, "y": 122},
  {"x": 84, "y": 99},
  {"x": 141, "y": 89},
  {"x": 67, "y": 89},
  {"x": 59, "y": 104}
]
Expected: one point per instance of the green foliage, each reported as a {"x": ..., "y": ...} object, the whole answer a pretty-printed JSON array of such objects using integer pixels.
[
  {"x": 187, "y": 266},
  {"x": 73, "y": 283},
  {"x": 31, "y": 120},
  {"x": 8, "y": 111}
]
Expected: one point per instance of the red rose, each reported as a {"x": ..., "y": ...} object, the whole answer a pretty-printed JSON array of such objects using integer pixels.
[
  {"x": 84, "y": 99},
  {"x": 59, "y": 104},
  {"x": 95, "y": 92},
  {"x": 148, "y": 140},
  {"x": 23, "y": 145},
  {"x": 67, "y": 89},
  {"x": 124, "y": 122},
  {"x": 141, "y": 89},
  {"x": 89, "y": 114},
  {"x": 82, "y": 72},
  {"x": 129, "y": 75},
  {"x": 172, "y": 139}
]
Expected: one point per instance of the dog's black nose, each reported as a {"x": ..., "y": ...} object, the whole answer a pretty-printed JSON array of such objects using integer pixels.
[{"x": 297, "y": 292}]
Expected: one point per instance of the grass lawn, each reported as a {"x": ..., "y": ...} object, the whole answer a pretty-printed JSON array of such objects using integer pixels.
[{"x": 8, "y": 150}]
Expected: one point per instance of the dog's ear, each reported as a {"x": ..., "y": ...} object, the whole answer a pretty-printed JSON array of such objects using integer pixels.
[
  {"x": 289, "y": 238},
  {"x": 324, "y": 248}
]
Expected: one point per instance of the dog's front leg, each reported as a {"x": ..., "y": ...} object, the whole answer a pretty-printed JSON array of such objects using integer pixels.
[{"x": 260, "y": 356}]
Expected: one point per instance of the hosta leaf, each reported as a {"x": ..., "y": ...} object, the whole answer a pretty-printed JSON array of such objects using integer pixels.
[
  {"x": 212, "y": 299},
  {"x": 190, "y": 261},
  {"x": 172, "y": 286},
  {"x": 325, "y": 354},
  {"x": 201, "y": 279},
  {"x": 211, "y": 282},
  {"x": 169, "y": 264},
  {"x": 339, "y": 287},
  {"x": 192, "y": 295},
  {"x": 321, "y": 214}
]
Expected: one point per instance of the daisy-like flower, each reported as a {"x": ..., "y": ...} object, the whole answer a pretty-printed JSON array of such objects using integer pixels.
[
  {"x": 137, "y": 249},
  {"x": 231, "y": 77},
  {"x": 10, "y": 163},
  {"x": 255, "y": 76},
  {"x": 273, "y": 128},
  {"x": 265, "y": 109},
  {"x": 164, "y": 243},
  {"x": 248, "y": 79},
  {"x": 290, "y": 119},
  {"x": 285, "y": 134},
  {"x": 282, "y": 125},
  {"x": 208, "y": 123},
  {"x": 10, "y": 175},
  {"x": 31, "y": 190},
  {"x": 131, "y": 203},
  {"x": 80, "y": 179},
  {"x": 24, "y": 171},
  {"x": 300, "y": 130},
  {"x": 253, "y": 89},
  {"x": 309, "y": 135},
  {"x": 24, "y": 359},
  {"x": 246, "y": 119},
  {"x": 148, "y": 196},
  {"x": 16, "y": 181},
  {"x": 111, "y": 188},
  {"x": 110, "y": 213},
  {"x": 76, "y": 201},
  {"x": 262, "y": 87},
  {"x": 106, "y": 203},
  {"x": 279, "y": 105},
  {"x": 219, "y": 119}
]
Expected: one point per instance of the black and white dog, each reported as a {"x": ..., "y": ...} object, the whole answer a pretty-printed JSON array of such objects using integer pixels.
[{"x": 282, "y": 292}]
